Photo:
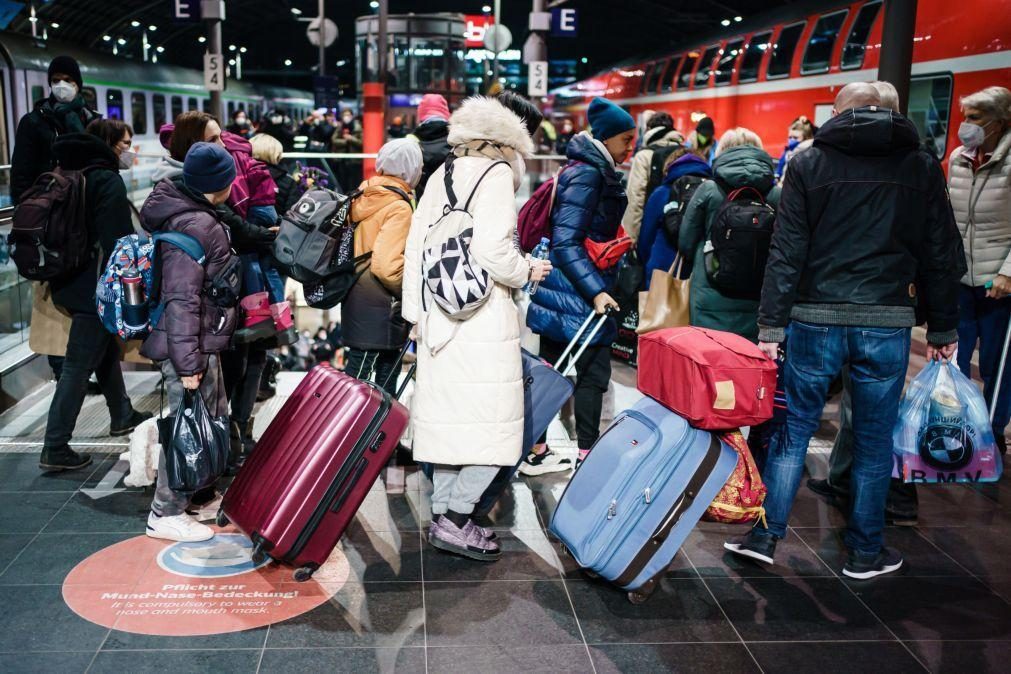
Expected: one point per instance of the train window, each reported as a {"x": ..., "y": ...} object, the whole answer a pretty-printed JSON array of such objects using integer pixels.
[
  {"x": 645, "y": 76},
  {"x": 38, "y": 93},
  {"x": 177, "y": 106},
  {"x": 230, "y": 108},
  {"x": 752, "y": 60},
  {"x": 207, "y": 105},
  {"x": 929, "y": 105},
  {"x": 685, "y": 78},
  {"x": 671, "y": 74},
  {"x": 192, "y": 104},
  {"x": 654, "y": 79},
  {"x": 138, "y": 112},
  {"x": 90, "y": 97},
  {"x": 783, "y": 50},
  {"x": 706, "y": 66},
  {"x": 158, "y": 108},
  {"x": 819, "y": 46},
  {"x": 114, "y": 104},
  {"x": 856, "y": 43},
  {"x": 725, "y": 66}
]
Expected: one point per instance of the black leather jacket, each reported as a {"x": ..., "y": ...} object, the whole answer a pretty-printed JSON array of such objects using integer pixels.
[{"x": 864, "y": 227}]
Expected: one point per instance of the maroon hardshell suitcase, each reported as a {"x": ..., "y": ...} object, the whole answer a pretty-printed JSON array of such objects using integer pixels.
[{"x": 316, "y": 462}]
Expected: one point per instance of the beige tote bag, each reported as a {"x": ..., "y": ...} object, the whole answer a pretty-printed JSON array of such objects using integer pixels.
[{"x": 665, "y": 304}]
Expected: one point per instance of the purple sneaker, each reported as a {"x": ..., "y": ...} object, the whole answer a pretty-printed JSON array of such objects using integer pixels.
[
  {"x": 489, "y": 534},
  {"x": 467, "y": 541}
]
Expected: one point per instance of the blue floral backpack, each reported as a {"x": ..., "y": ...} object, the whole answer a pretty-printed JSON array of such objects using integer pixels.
[{"x": 135, "y": 256}]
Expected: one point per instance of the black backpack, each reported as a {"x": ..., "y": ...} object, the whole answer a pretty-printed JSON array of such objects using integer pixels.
[
  {"x": 738, "y": 246},
  {"x": 49, "y": 232},
  {"x": 656, "y": 164},
  {"x": 681, "y": 192}
]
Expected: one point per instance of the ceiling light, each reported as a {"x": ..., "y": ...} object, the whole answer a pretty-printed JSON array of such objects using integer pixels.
[
  {"x": 584, "y": 59},
  {"x": 135, "y": 23},
  {"x": 296, "y": 11},
  {"x": 231, "y": 62},
  {"x": 486, "y": 9},
  {"x": 152, "y": 28},
  {"x": 231, "y": 47},
  {"x": 160, "y": 49},
  {"x": 201, "y": 39},
  {"x": 738, "y": 19},
  {"x": 121, "y": 40},
  {"x": 54, "y": 25},
  {"x": 725, "y": 22},
  {"x": 106, "y": 38},
  {"x": 342, "y": 63},
  {"x": 33, "y": 19},
  {"x": 242, "y": 50},
  {"x": 374, "y": 4},
  {"x": 287, "y": 62}
]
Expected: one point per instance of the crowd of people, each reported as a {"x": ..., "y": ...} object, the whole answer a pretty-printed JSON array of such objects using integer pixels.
[{"x": 871, "y": 239}]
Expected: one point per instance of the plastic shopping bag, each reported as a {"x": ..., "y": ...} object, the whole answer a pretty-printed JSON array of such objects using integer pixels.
[
  {"x": 943, "y": 433},
  {"x": 196, "y": 449}
]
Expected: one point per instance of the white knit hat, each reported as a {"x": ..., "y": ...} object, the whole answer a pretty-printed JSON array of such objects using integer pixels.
[{"x": 401, "y": 158}]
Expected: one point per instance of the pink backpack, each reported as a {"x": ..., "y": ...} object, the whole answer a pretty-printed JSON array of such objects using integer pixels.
[{"x": 534, "y": 222}]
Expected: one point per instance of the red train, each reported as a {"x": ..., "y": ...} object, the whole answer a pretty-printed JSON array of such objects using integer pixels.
[{"x": 763, "y": 73}]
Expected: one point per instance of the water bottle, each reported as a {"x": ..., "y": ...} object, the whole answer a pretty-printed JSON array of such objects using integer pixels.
[
  {"x": 541, "y": 252},
  {"x": 134, "y": 303}
]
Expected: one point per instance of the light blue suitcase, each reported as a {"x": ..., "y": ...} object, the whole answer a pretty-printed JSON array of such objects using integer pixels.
[{"x": 638, "y": 494}]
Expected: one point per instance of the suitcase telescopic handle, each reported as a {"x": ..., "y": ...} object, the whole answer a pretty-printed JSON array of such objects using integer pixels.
[
  {"x": 392, "y": 377},
  {"x": 586, "y": 343}
]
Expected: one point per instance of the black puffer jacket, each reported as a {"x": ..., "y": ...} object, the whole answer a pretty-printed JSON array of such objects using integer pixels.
[
  {"x": 863, "y": 215},
  {"x": 287, "y": 188},
  {"x": 33, "y": 143},
  {"x": 106, "y": 212},
  {"x": 191, "y": 327},
  {"x": 431, "y": 136}
]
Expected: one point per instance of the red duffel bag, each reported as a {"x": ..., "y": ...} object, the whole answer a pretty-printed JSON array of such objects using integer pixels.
[{"x": 716, "y": 380}]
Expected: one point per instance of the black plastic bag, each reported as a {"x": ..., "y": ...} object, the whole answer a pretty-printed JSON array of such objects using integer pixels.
[{"x": 195, "y": 444}]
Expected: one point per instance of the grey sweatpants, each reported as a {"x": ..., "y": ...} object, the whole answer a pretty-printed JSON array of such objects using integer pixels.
[
  {"x": 168, "y": 502},
  {"x": 459, "y": 488}
]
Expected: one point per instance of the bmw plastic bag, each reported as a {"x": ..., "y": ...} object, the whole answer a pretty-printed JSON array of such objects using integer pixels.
[
  {"x": 943, "y": 433},
  {"x": 196, "y": 449}
]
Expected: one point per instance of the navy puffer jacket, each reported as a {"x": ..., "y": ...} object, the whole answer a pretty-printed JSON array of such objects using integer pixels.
[{"x": 588, "y": 204}]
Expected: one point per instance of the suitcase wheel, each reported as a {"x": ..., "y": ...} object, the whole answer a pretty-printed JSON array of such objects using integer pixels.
[
  {"x": 643, "y": 593},
  {"x": 258, "y": 555},
  {"x": 221, "y": 519},
  {"x": 303, "y": 573},
  {"x": 591, "y": 574}
]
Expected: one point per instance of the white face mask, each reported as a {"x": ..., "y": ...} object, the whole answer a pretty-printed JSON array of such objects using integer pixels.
[
  {"x": 126, "y": 158},
  {"x": 972, "y": 135},
  {"x": 276, "y": 119},
  {"x": 241, "y": 121},
  {"x": 64, "y": 92}
]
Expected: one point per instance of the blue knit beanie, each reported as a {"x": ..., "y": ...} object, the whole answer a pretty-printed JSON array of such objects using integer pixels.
[
  {"x": 208, "y": 168},
  {"x": 607, "y": 119}
]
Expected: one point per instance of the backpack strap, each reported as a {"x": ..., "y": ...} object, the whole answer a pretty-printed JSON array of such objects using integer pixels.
[
  {"x": 447, "y": 179},
  {"x": 403, "y": 195},
  {"x": 183, "y": 242},
  {"x": 744, "y": 190}
]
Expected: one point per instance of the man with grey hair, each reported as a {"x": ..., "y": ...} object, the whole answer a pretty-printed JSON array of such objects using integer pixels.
[
  {"x": 863, "y": 215},
  {"x": 979, "y": 175},
  {"x": 888, "y": 94}
]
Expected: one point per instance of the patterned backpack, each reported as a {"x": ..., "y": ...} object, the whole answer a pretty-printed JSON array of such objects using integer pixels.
[
  {"x": 452, "y": 278},
  {"x": 742, "y": 496},
  {"x": 135, "y": 252}
]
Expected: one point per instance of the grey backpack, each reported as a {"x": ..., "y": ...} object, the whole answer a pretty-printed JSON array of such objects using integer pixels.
[{"x": 316, "y": 236}]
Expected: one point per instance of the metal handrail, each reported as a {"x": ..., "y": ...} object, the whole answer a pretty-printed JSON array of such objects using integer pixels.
[{"x": 353, "y": 155}]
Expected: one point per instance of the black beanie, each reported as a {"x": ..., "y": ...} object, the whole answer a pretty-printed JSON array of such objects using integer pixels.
[
  {"x": 67, "y": 66},
  {"x": 706, "y": 127}
]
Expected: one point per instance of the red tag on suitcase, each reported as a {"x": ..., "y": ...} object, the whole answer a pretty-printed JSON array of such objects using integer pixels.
[{"x": 716, "y": 380}]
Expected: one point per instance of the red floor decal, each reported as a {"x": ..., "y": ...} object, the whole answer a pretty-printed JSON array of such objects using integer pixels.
[{"x": 146, "y": 586}]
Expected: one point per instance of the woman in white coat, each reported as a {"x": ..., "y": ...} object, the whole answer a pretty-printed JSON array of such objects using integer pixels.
[{"x": 467, "y": 411}]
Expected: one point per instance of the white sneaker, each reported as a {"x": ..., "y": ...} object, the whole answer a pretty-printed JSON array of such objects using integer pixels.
[
  {"x": 548, "y": 462},
  {"x": 182, "y": 528}
]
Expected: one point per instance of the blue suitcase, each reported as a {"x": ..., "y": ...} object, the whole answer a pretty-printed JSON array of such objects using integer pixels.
[{"x": 638, "y": 494}]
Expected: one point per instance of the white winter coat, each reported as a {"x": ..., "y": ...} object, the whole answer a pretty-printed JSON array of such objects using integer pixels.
[
  {"x": 467, "y": 407},
  {"x": 982, "y": 205}
]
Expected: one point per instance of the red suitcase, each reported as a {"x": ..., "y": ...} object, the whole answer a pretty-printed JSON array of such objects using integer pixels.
[
  {"x": 716, "y": 380},
  {"x": 313, "y": 467}
]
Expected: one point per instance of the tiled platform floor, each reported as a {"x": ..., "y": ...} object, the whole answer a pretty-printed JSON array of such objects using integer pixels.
[{"x": 408, "y": 608}]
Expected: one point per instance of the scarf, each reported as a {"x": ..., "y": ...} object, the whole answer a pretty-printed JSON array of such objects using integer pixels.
[
  {"x": 66, "y": 117},
  {"x": 489, "y": 150}
]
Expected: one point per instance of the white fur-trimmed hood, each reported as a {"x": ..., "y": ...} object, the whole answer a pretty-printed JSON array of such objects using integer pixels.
[{"x": 484, "y": 118}]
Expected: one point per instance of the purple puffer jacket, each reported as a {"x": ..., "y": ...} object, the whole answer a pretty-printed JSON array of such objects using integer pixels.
[{"x": 191, "y": 326}]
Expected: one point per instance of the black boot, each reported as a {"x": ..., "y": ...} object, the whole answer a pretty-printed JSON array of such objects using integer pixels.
[
  {"x": 235, "y": 454},
  {"x": 62, "y": 458},
  {"x": 126, "y": 427}
]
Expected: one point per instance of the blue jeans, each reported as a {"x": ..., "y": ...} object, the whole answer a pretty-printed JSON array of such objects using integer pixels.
[
  {"x": 878, "y": 358},
  {"x": 258, "y": 274},
  {"x": 984, "y": 321}
]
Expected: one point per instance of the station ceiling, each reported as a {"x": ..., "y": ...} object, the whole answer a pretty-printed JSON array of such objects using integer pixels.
[{"x": 273, "y": 31}]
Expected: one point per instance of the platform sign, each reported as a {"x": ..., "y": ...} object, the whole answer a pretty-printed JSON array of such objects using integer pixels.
[
  {"x": 186, "y": 11},
  {"x": 564, "y": 22},
  {"x": 214, "y": 72},
  {"x": 537, "y": 78}
]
